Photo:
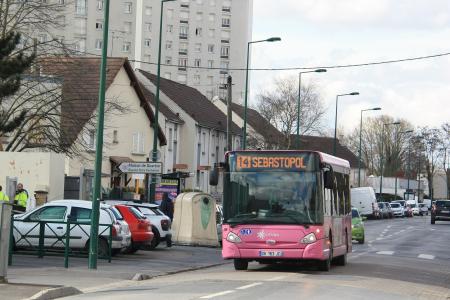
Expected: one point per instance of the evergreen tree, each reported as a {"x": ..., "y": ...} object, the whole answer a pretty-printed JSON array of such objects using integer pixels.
[{"x": 12, "y": 66}]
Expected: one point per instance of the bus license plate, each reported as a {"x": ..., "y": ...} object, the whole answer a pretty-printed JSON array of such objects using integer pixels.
[{"x": 271, "y": 253}]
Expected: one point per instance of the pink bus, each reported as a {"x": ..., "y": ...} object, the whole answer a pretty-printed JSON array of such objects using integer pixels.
[{"x": 285, "y": 205}]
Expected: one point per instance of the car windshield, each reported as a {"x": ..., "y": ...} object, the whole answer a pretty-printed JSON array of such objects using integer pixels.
[
  {"x": 136, "y": 213},
  {"x": 146, "y": 210},
  {"x": 381, "y": 205},
  {"x": 412, "y": 205},
  {"x": 116, "y": 213},
  {"x": 274, "y": 198},
  {"x": 395, "y": 205},
  {"x": 445, "y": 204},
  {"x": 355, "y": 213}
]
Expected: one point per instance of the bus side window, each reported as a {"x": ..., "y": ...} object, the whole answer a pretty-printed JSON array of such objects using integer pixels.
[
  {"x": 348, "y": 203},
  {"x": 335, "y": 196},
  {"x": 341, "y": 189}
]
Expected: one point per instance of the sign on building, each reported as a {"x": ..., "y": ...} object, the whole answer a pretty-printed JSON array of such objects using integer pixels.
[{"x": 141, "y": 167}]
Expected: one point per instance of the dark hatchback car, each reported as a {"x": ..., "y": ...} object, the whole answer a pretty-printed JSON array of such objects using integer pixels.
[{"x": 440, "y": 211}]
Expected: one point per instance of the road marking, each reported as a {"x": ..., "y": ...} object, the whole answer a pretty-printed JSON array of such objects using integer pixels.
[
  {"x": 217, "y": 295},
  {"x": 249, "y": 286},
  {"x": 385, "y": 252},
  {"x": 379, "y": 238},
  {"x": 276, "y": 278},
  {"x": 426, "y": 256}
]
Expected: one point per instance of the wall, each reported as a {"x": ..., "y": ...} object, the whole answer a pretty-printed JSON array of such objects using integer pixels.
[{"x": 36, "y": 170}]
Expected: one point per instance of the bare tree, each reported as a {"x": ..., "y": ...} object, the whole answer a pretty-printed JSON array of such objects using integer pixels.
[{"x": 280, "y": 105}]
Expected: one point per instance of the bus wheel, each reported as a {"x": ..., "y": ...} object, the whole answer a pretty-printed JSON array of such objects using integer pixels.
[
  {"x": 342, "y": 260},
  {"x": 240, "y": 264},
  {"x": 325, "y": 265}
]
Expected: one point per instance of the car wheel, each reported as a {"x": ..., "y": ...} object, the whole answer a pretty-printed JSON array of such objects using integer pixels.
[
  {"x": 156, "y": 239},
  {"x": 240, "y": 264},
  {"x": 131, "y": 249},
  {"x": 103, "y": 249}
]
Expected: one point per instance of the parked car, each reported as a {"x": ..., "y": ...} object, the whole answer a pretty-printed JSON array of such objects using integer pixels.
[
  {"x": 161, "y": 224},
  {"x": 140, "y": 227},
  {"x": 364, "y": 199},
  {"x": 423, "y": 209},
  {"x": 385, "y": 210},
  {"x": 122, "y": 222},
  {"x": 397, "y": 209},
  {"x": 440, "y": 211},
  {"x": 414, "y": 206},
  {"x": 357, "y": 226},
  {"x": 75, "y": 211}
]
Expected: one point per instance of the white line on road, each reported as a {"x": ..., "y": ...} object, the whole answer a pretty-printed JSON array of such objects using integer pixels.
[
  {"x": 426, "y": 256},
  {"x": 385, "y": 252},
  {"x": 217, "y": 295},
  {"x": 249, "y": 286},
  {"x": 276, "y": 278}
]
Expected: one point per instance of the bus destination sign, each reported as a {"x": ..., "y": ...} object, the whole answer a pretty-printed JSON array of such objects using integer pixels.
[{"x": 270, "y": 161}]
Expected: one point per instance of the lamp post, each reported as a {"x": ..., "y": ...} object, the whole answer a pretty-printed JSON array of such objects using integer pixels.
[
  {"x": 381, "y": 155},
  {"x": 93, "y": 241},
  {"x": 360, "y": 139},
  {"x": 155, "y": 124},
  {"x": 299, "y": 100},
  {"x": 270, "y": 40},
  {"x": 335, "y": 118}
]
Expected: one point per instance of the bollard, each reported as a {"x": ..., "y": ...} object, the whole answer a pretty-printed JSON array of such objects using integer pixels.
[
  {"x": 41, "y": 239},
  {"x": 5, "y": 225},
  {"x": 67, "y": 246}
]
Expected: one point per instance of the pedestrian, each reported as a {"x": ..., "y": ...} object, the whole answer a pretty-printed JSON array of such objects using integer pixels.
[
  {"x": 3, "y": 196},
  {"x": 21, "y": 198},
  {"x": 167, "y": 206}
]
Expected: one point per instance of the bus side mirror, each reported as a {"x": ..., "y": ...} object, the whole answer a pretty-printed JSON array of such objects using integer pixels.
[
  {"x": 328, "y": 179},
  {"x": 214, "y": 176}
]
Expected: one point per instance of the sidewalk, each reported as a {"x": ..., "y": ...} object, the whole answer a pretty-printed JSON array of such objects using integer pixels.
[{"x": 29, "y": 274}]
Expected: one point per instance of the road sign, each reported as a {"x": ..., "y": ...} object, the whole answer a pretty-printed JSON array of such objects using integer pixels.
[{"x": 141, "y": 167}]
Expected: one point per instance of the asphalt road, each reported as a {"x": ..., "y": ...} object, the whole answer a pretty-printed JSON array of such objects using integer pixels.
[{"x": 402, "y": 259}]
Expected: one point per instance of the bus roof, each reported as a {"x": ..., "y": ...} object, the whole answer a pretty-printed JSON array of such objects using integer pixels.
[{"x": 324, "y": 157}]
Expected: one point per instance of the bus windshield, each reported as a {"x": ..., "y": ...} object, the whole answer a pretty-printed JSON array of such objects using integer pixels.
[{"x": 273, "y": 198}]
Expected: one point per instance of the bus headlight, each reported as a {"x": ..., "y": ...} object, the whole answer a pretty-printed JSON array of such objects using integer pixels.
[
  {"x": 309, "y": 238},
  {"x": 233, "y": 238}
]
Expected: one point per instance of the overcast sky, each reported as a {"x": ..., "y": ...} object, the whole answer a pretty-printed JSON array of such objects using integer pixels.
[{"x": 337, "y": 32}]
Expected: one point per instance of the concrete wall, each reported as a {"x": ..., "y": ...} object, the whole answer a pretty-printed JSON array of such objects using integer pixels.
[{"x": 36, "y": 170}]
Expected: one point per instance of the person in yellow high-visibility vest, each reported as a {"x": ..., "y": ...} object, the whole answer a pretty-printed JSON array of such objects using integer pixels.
[
  {"x": 3, "y": 196},
  {"x": 21, "y": 197}
]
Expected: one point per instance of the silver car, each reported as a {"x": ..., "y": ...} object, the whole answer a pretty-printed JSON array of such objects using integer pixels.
[{"x": 398, "y": 210}]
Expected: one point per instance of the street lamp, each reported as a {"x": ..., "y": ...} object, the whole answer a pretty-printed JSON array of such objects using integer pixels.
[
  {"x": 360, "y": 139},
  {"x": 335, "y": 118},
  {"x": 270, "y": 40},
  {"x": 93, "y": 241},
  {"x": 155, "y": 124},
  {"x": 381, "y": 156},
  {"x": 299, "y": 97}
]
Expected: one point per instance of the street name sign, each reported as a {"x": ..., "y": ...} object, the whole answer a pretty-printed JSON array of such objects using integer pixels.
[{"x": 141, "y": 167}]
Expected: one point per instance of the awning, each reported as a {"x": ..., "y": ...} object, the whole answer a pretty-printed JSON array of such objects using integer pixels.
[{"x": 120, "y": 159}]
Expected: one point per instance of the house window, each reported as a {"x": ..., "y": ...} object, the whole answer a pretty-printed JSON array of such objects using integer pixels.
[
  {"x": 128, "y": 6},
  {"x": 115, "y": 137},
  {"x": 184, "y": 31},
  {"x": 226, "y": 22},
  {"x": 196, "y": 79},
  {"x": 100, "y": 5},
  {"x": 80, "y": 7},
  {"x": 225, "y": 34},
  {"x": 224, "y": 65},
  {"x": 80, "y": 46},
  {"x": 198, "y": 47},
  {"x": 170, "y": 139},
  {"x": 169, "y": 28},
  {"x": 224, "y": 51},
  {"x": 126, "y": 47},
  {"x": 210, "y": 48},
  {"x": 89, "y": 139},
  {"x": 147, "y": 43},
  {"x": 175, "y": 148},
  {"x": 99, "y": 25},
  {"x": 183, "y": 48},
  {"x": 61, "y": 2},
  {"x": 138, "y": 143},
  {"x": 210, "y": 64},
  {"x": 148, "y": 11},
  {"x": 211, "y": 33},
  {"x": 147, "y": 58},
  {"x": 168, "y": 60},
  {"x": 182, "y": 63},
  {"x": 197, "y": 62},
  {"x": 184, "y": 15},
  {"x": 42, "y": 38},
  {"x": 169, "y": 45},
  {"x": 198, "y": 31},
  {"x": 127, "y": 26},
  {"x": 148, "y": 27},
  {"x": 98, "y": 44}
]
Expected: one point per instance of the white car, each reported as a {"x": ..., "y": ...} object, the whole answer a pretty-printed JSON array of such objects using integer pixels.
[
  {"x": 161, "y": 224},
  {"x": 26, "y": 226},
  {"x": 397, "y": 209}
]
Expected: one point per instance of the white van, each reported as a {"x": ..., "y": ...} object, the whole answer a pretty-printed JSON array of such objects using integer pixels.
[{"x": 364, "y": 199}]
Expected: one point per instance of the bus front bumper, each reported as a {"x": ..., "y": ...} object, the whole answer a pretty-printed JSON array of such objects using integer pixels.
[{"x": 315, "y": 251}]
